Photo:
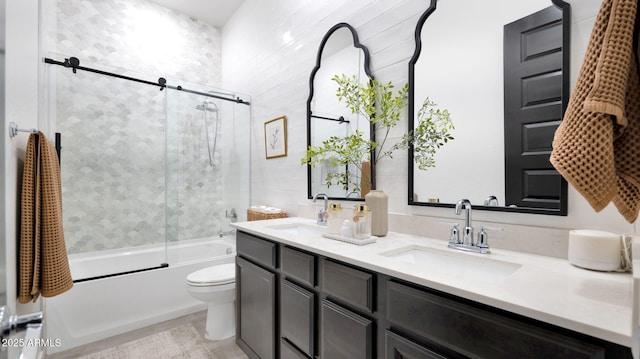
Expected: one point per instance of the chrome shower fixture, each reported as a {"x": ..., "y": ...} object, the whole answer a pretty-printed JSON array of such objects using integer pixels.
[{"x": 209, "y": 106}]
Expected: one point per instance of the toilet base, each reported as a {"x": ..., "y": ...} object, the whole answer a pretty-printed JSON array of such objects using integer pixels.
[{"x": 221, "y": 321}]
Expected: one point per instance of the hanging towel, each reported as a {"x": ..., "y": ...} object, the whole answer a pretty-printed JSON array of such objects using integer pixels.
[
  {"x": 43, "y": 261},
  {"x": 596, "y": 148}
]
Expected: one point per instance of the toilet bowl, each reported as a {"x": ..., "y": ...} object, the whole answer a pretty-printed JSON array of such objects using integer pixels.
[{"x": 216, "y": 287}]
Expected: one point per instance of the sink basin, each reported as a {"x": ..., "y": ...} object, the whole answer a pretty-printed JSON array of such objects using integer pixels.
[
  {"x": 473, "y": 267},
  {"x": 299, "y": 229}
]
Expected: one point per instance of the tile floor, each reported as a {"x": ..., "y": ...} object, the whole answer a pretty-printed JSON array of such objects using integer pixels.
[{"x": 226, "y": 349}]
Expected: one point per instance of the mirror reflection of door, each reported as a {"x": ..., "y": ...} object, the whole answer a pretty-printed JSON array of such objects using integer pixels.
[
  {"x": 534, "y": 106},
  {"x": 461, "y": 68},
  {"x": 339, "y": 53}
]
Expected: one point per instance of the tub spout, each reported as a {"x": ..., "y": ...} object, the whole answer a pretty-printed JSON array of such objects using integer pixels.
[{"x": 226, "y": 233}]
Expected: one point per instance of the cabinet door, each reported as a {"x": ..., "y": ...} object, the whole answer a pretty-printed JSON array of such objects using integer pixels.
[
  {"x": 401, "y": 348},
  {"x": 345, "y": 335},
  {"x": 256, "y": 300},
  {"x": 475, "y": 332},
  {"x": 297, "y": 316}
]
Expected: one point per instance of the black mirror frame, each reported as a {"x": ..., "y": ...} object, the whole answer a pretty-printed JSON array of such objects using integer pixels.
[
  {"x": 562, "y": 211},
  {"x": 367, "y": 70}
]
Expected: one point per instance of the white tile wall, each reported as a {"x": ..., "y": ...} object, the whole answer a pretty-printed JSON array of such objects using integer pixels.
[{"x": 255, "y": 60}]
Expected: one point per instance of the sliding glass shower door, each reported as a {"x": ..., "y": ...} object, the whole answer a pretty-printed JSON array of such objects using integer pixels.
[
  {"x": 208, "y": 167},
  {"x": 112, "y": 168},
  {"x": 145, "y": 168}
]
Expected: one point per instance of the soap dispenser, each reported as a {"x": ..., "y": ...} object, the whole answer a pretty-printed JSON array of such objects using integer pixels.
[
  {"x": 361, "y": 222},
  {"x": 334, "y": 222}
]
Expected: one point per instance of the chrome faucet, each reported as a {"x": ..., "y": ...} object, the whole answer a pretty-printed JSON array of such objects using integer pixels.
[
  {"x": 322, "y": 214},
  {"x": 467, "y": 238},
  {"x": 467, "y": 243},
  {"x": 353, "y": 193},
  {"x": 491, "y": 201},
  {"x": 232, "y": 216}
]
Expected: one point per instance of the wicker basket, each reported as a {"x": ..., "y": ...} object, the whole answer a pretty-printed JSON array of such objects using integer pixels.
[{"x": 258, "y": 216}]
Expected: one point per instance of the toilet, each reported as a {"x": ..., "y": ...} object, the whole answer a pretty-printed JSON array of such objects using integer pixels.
[{"x": 216, "y": 287}]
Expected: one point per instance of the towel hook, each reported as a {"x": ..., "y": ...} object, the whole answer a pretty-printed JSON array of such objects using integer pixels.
[{"x": 13, "y": 129}]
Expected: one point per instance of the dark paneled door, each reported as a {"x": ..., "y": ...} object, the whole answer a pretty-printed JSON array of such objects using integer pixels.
[
  {"x": 533, "y": 108},
  {"x": 256, "y": 296}
]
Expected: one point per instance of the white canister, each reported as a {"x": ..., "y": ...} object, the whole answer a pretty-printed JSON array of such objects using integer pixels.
[{"x": 597, "y": 250}]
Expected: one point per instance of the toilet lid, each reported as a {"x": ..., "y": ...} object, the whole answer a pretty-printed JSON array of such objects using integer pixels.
[{"x": 216, "y": 275}]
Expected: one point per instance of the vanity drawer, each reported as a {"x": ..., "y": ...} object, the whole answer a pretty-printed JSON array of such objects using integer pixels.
[
  {"x": 297, "y": 315},
  {"x": 398, "y": 347},
  {"x": 464, "y": 328},
  {"x": 345, "y": 335},
  {"x": 298, "y": 265},
  {"x": 348, "y": 284},
  {"x": 256, "y": 249}
]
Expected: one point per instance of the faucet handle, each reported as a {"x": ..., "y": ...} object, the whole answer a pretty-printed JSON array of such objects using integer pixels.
[
  {"x": 454, "y": 237},
  {"x": 483, "y": 237}
]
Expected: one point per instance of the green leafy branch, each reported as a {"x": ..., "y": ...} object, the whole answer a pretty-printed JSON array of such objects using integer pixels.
[
  {"x": 341, "y": 152},
  {"x": 431, "y": 133},
  {"x": 376, "y": 102}
]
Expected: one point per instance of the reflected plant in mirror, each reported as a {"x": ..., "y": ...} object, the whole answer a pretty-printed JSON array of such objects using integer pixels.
[
  {"x": 341, "y": 152},
  {"x": 376, "y": 103},
  {"x": 431, "y": 133}
]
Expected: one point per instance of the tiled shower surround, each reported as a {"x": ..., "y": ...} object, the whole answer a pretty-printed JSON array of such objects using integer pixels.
[{"x": 135, "y": 166}]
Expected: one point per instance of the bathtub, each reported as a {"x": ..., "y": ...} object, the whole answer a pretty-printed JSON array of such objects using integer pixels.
[{"x": 101, "y": 308}]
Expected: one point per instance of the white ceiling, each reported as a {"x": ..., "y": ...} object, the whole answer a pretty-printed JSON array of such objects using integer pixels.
[{"x": 215, "y": 12}]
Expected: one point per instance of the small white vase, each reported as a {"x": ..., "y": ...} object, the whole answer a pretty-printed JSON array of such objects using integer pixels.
[{"x": 378, "y": 203}]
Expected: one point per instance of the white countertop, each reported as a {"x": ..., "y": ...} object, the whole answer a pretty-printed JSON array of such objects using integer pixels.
[{"x": 544, "y": 288}]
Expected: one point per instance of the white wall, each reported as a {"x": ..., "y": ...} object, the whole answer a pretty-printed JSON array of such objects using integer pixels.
[
  {"x": 257, "y": 60},
  {"x": 22, "y": 108},
  {"x": 274, "y": 68}
]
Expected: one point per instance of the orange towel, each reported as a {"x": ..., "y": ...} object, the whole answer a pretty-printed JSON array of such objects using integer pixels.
[
  {"x": 597, "y": 146},
  {"x": 43, "y": 261}
]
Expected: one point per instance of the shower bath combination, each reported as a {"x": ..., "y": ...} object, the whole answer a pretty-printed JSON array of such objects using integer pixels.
[{"x": 209, "y": 106}]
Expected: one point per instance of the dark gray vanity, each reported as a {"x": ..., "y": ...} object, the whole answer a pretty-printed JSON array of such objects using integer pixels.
[{"x": 293, "y": 303}]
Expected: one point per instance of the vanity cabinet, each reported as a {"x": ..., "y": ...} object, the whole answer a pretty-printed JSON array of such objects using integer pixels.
[{"x": 294, "y": 304}]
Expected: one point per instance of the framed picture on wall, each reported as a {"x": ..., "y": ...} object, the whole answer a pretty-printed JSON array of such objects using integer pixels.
[{"x": 275, "y": 137}]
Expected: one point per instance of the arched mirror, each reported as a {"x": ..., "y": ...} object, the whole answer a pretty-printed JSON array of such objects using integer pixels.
[
  {"x": 502, "y": 73},
  {"x": 339, "y": 53}
]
